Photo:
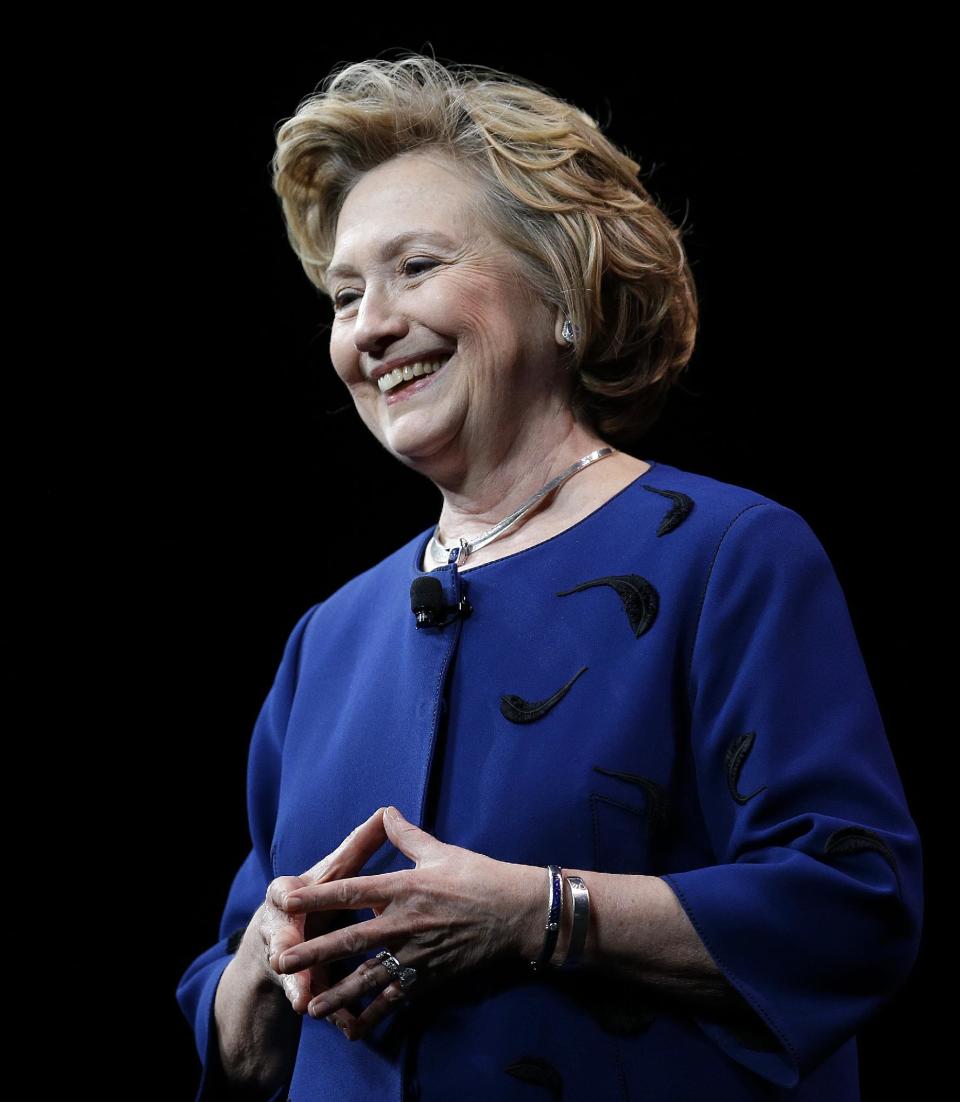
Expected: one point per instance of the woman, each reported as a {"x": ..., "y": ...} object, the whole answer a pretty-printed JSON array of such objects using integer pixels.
[{"x": 642, "y": 673}]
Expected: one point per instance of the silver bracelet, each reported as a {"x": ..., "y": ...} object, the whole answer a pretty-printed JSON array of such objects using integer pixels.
[
  {"x": 554, "y": 912},
  {"x": 581, "y": 921}
]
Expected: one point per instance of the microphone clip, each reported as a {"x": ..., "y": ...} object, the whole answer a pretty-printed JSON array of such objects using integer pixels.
[{"x": 429, "y": 607}]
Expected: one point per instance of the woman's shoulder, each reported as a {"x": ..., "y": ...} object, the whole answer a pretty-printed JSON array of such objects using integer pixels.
[
  {"x": 746, "y": 548},
  {"x": 706, "y": 490},
  {"x": 711, "y": 503}
]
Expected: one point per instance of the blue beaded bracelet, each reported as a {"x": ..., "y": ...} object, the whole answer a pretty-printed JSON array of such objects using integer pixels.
[{"x": 555, "y": 907}]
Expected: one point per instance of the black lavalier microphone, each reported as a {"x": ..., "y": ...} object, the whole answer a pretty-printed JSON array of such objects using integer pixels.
[{"x": 428, "y": 605}]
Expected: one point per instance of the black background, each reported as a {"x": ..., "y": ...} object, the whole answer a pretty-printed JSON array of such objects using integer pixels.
[{"x": 206, "y": 479}]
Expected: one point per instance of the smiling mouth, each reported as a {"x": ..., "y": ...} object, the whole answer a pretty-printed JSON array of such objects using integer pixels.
[{"x": 411, "y": 378}]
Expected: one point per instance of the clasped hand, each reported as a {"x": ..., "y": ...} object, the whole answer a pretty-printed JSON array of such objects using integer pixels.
[{"x": 454, "y": 911}]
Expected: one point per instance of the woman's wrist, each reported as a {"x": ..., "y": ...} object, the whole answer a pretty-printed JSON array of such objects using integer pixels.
[{"x": 257, "y": 1029}]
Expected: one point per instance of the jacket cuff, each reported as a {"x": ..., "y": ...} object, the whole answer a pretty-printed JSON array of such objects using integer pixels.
[{"x": 776, "y": 1061}]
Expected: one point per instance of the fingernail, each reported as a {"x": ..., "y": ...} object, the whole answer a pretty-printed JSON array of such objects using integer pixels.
[{"x": 320, "y": 1009}]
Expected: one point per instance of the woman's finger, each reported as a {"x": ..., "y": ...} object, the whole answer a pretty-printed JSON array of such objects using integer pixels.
[
  {"x": 285, "y": 930},
  {"x": 280, "y": 885},
  {"x": 351, "y": 893},
  {"x": 348, "y": 941},
  {"x": 297, "y": 990},
  {"x": 385, "y": 1003},
  {"x": 345, "y": 1021},
  {"x": 369, "y": 978},
  {"x": 352, "y": 854}
]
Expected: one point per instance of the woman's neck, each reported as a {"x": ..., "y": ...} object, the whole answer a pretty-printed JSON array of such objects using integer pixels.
[
  {"x": 488, "y": 487},
  {"x": 482, "y": 501}
]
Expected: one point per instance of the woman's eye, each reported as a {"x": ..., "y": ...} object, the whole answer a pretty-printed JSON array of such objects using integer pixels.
[
  {"x": 409, "y": 267},
  {"x": 415, "y": 263}
]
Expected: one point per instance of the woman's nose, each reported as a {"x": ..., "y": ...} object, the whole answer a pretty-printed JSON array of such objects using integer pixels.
[{"x": 378, "y": 321}]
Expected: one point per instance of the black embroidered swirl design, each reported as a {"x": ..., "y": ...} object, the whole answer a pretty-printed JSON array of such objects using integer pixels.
[
  {"x": 681, "y": 509},
  {"x": 640, "y": 600},
  {"x": 736, "y": 755},
  {"x": 518, "y": 710},
  {"x": 855, "y": 839},
  {"x": 539, "y": 1072}
]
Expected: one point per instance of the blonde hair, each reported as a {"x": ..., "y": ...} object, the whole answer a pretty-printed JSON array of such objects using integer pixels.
[{"x": 585, "y": 231}]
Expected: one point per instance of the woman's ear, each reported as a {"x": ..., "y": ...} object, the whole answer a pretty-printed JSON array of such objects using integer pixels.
[{"x": 558, "y": 328}]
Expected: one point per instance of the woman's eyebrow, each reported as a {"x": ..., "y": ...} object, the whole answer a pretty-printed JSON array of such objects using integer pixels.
[{"x": 389, "y": 247}]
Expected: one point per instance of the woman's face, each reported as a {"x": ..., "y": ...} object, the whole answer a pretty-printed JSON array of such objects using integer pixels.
[{"x": 448, "y": 290}]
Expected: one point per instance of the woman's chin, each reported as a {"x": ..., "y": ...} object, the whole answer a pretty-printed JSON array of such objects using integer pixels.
[
  {"x": 415, "y": 447},
  {"x": 417, "y": 436}
]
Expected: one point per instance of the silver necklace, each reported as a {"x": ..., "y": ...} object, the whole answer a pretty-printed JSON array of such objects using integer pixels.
[{"x": 440, "y": 554}]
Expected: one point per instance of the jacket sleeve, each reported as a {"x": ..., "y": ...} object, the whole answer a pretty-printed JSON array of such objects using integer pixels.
[
  {"x": 196, "y": 988},
  {"x": 814, "y": 905}
]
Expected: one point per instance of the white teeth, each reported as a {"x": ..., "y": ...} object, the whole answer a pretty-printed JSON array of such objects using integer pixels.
[{"x": 405, "y": 373}]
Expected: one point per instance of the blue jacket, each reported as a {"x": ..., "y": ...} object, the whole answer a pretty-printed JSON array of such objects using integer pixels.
[{"x": 671, "y": 687}]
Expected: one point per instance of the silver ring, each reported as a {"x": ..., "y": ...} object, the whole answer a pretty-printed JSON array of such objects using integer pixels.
[{"x": 406, "y": 976}]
